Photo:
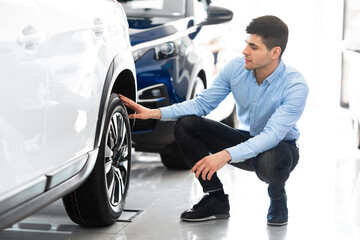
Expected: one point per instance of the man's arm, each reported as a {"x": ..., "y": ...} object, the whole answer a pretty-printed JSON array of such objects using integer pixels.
[
  {"x": 283, "y": 119},
  {"x": 141, "y": 112},
  {"x": 202, "y": 105},
  {"x": 207, "y": 100}
]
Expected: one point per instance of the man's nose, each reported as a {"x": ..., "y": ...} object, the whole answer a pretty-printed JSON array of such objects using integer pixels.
[{"x": 245, "y": 51}]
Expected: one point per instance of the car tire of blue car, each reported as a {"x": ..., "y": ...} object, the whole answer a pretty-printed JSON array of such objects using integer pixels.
[
  {"x": 174, "y": 159},
  {"x": 100, "y": 200}
]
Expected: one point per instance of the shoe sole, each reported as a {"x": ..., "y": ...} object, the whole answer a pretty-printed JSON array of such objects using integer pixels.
[
  {"x": 221, "y": 216},
  {"x": 277, "y": 224}
]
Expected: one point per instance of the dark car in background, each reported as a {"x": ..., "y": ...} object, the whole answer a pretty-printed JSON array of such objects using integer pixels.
[{"x": 177, "y": 47}]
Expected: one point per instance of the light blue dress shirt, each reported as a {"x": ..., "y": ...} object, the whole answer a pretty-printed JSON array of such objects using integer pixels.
[{"x": 269, "y": 111}]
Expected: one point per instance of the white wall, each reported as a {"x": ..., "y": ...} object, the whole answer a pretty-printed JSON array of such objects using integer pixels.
[{"x": 315, "y": 31}]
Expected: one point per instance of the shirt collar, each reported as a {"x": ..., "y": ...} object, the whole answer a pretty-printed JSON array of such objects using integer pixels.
[{"x": 276, "y": 73}]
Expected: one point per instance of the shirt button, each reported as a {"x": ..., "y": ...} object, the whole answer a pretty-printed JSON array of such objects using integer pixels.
[{"x": 254, "y": 101}]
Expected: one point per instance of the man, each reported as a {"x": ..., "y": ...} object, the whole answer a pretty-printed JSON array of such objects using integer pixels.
[{"x": 270, "y": 99}]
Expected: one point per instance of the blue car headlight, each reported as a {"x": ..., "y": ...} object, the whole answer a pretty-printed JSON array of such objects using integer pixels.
[
  {"x": 162, "y": 51},
  {"x": 165, "y": 50}
]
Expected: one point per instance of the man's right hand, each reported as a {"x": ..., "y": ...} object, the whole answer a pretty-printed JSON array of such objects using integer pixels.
[{"x": 140, "y": 111}]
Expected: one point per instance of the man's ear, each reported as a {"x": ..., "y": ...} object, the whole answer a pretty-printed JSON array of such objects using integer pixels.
[{"x": 276, "y": 51}]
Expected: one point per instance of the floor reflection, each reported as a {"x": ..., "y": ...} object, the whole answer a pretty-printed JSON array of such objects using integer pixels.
[{"x": 276, "y": 233}]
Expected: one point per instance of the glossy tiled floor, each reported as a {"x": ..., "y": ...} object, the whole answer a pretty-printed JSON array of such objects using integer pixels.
[{"x": 323, "y": 193}]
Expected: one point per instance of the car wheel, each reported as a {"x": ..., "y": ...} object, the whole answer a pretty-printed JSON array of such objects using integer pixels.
[
  {"x": 174, "y": 159},
  {"x": 100, "y": 200}
]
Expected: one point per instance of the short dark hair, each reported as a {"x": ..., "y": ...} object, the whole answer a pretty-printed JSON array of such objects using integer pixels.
[{"x": 273, "y": 31}]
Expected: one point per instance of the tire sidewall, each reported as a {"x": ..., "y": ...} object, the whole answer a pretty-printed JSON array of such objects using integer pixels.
[{"x": 115, "y": 105}]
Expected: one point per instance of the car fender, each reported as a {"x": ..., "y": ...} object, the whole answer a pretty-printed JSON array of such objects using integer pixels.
[
  {"x": 121, "y": 79},
  {"x": 202, "y": 70}
]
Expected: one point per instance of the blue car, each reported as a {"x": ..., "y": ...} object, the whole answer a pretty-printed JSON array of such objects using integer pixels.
[{"x": 176, "y": 44}]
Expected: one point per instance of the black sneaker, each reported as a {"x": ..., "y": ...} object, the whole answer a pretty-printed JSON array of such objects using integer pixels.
[
  {"x": 278, "y": 212},
  {"x": 207, "y": 209}
]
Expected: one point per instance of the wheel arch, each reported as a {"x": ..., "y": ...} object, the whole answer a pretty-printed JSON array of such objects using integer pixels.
[
  {"x": 201, "y": 70},
  {"x": 202, "y": 75},
  {"x": 120, "y": 79},
  {"x": 125, "y": 84}
]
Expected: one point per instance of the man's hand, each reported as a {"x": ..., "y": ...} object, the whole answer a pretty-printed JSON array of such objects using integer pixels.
[
  {"x": 140, "y": 111},
  {"x": 210, "y": 164}
]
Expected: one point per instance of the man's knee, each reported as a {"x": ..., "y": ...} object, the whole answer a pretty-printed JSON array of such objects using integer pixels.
[
  {"x": 274, "y": 166},
  {"x": 185, "y": 125}
]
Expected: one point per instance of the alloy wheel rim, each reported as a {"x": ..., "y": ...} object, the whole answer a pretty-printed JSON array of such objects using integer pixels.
[{"x": 116, "y": 161}]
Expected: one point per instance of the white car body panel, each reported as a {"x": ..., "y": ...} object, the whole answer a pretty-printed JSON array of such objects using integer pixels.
[
  {"x": 23, "y": 99},
  {"x": 74, "y": 70},
  {"x": 54, "y": 59}
]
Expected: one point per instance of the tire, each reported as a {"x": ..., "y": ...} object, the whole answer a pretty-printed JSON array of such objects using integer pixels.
[
  {"x": 174, "y": 159},
  {"x": 100, "y": 200}
]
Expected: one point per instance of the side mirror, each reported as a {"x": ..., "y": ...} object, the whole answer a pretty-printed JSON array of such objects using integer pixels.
[{"x": 216, "y": 15}]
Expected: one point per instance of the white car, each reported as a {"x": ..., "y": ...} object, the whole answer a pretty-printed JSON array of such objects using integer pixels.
[{"x": 63, "y": 130}]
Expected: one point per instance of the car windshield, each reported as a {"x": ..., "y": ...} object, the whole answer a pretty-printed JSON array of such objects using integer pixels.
[{"x": 150, "y": 8}]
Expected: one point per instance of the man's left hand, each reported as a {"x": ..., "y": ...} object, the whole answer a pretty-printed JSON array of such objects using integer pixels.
[{"x": 210, "y": 164}]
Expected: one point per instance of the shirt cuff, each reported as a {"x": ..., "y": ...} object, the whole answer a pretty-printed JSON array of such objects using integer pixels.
[
  {"x": 166, "y": 113},
  {"x": 235, "y": 154}
]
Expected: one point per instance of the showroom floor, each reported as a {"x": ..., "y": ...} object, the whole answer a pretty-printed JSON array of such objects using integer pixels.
[{"x": 323, "y": 193}]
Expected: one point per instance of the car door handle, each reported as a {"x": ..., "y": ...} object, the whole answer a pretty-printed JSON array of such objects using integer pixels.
[
  {"x": 98, "y": 27},
  {"x": 31, "y": 38}
]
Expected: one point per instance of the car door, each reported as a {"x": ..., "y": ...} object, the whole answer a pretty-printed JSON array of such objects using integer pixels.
[
  {"x": 83, "y": 37},
  {"x": 23, "y": 83}
]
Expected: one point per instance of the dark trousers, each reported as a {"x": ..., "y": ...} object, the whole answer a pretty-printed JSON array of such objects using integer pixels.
[{"x": 197, "y": 137}]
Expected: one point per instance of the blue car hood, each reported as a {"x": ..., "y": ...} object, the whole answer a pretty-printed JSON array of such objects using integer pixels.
[{"x": 145, "y": 29}]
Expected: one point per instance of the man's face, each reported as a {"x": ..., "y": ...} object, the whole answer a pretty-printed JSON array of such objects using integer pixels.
[{"x": 256, "y": 54}]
